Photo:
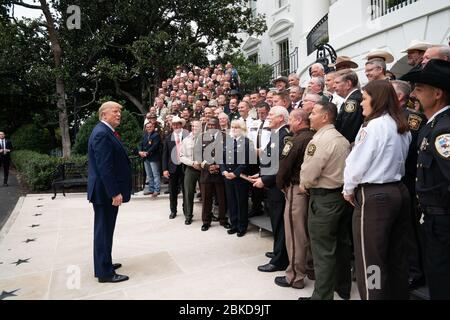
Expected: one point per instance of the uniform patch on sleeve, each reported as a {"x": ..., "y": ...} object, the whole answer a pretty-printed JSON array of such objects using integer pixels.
[
  {"x": 442, "y": 144},
  {"x": 414, "y": 122},
  {"x": 362, "y": 136},
  {"x": 287, "y": 148},
  {"x": 350, "y": 106},
  {"x": 311, "y": 150}
]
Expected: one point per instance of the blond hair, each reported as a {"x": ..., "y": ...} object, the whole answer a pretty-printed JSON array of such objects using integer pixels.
[{"x": 107, "y": 106}]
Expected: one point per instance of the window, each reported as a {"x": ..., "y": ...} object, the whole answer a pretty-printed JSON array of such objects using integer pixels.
[
  {"x": 284, "y": 57},
  {"x": 253, "y": 58}
]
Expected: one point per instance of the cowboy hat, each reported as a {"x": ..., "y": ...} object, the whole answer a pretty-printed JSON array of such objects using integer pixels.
[
  {"x": 281, "y": 79},
  {"x": 177, "y": 119},
  {"x": 344, "y": 62},
  {"x": 382, "y": 54},
  {"x": 418, "y": 45},
  {"x": 436, "y": 74}
]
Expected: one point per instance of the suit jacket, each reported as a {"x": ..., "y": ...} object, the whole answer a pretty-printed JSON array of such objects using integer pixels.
[
  {"x": 350, "y": 118},
  {"x": 151, "y": 143},
  {"x": 170, "y": 144},
  {"x": 269, "y": 169},
  {"x": 236, "y": 158},
  {"x": 210, "y": 145},
  {"x": 109, "y": 168},
  {"x": 7, "y": 156}
]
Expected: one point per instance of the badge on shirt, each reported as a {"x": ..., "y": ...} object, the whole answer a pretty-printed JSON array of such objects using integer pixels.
[
  {"x": 424, "y": 144},
  {"x": 414, "y": 122},
  {"x": 287, "y": 148},
  {"x": 150, "y": 142},
  {"x": 311, "y": 150},
  {"x": 442, "y": 145},
  {"x": 350, "y": 106}
]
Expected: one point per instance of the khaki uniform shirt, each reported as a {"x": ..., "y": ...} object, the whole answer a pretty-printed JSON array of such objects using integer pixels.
[{"x": 324, "y": 163}]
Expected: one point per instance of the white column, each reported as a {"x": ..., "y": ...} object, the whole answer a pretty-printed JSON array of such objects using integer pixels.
[{"x": 312, "y": 12}]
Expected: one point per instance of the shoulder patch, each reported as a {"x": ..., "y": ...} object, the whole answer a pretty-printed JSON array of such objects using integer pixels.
[
  {"x": 311, "y": 150},
  {"x": 362, "y": 135},
  {"x": 350, "y": 106},
  {"x": 287, "y": 148},
  {"x": 414, "y": 122},
  {"x": 442, "y": 144}
]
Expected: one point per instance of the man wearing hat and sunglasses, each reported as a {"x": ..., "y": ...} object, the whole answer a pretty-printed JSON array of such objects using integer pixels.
[
  {"x": 432, "y": 89},
  {"x": 415, "y": 52}
]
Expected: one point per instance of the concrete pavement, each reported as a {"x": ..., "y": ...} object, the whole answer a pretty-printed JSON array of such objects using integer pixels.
[{"x": 46, "y": 253}]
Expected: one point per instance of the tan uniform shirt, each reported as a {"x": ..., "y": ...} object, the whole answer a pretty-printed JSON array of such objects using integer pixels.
[{"x": 324, "y": 163}]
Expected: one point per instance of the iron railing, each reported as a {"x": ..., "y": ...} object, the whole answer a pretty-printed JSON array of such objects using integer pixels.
[
  {"x": 318, "y": 35},
  {"x": 286, "y": 66},
  {"x": 138, "y": 174},
  {"x": 383, "y": 7}
]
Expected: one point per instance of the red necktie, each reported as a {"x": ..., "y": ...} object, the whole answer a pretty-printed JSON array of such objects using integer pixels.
[{"x": 117, "y": 135}]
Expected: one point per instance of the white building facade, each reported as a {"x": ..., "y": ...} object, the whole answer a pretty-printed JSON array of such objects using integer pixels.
[{"x": 351, "y": 27}]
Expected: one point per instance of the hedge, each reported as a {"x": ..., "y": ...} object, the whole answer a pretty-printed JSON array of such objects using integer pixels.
[
  {"x": 37, "y": 169},
  {"x": 31, "y": 137}
]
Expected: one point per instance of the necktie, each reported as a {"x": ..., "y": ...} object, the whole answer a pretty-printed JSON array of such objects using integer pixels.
[
  {"x": 258, "y": 138},
  {"x": 2, "y": 146},
  {"x": 178, "y": 143},
  {"x": 117, "y": 135}
]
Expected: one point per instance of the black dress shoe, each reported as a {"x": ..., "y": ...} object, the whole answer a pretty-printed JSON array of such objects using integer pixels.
[
  {"x": 269, "y": 268},
  {"x": 205, "y": 227},
  {"x": 343, "y": 296},
  {"x": 304, "y": 298},
  {"x": 270, "y": 255},
  {"x": 172, "y": 215},
  {"x": 240, "y": 234},
  {"x": 114, "y": 278},
  {"x": 116, "y": 266},
  {"x": 226, "y": 225},
  {"x": 311, "y": 275},
  {"x": 414, "y": 284},
  {"x": 5, "y": 184},
  {"x": 282, "y": 282},
  {"x": 232, "y": 231},
  {"x": 188, "y": 222}
]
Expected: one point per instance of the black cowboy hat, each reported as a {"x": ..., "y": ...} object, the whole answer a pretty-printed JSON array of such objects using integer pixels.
[{"x": 436, "y": 74}]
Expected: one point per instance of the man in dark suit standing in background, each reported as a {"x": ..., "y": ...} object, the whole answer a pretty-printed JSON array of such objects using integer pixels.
[
  {"x": 172, "y": 166},
  {"x": 109, "y": 185},
  {"x": 5, "y": 157}
]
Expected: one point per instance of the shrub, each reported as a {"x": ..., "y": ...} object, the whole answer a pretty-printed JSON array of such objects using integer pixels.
[
  {"x": 37, "y": 169},
  {"x": 31, "y": 137},
  {"x": 129, "y": 130}
]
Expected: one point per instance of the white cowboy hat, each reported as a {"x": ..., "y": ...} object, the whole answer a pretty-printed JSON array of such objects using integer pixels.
[
  {"x": 177, "y": 119},
  {"x": 382, "y": 54},
  {"x": 418, "y": 45}
]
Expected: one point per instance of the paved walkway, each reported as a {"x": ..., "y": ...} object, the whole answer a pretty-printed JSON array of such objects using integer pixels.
[
  {"x": 46, "y": 253},
  {"x": 8, "y": 196}
]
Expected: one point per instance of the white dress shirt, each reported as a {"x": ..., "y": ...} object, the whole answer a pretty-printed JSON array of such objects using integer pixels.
[{"x": 378, "y": 156}]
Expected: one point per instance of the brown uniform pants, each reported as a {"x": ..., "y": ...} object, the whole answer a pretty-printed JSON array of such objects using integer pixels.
[
  {"x": 297, "y": 238},
  {"x": 380, "y": 225},
  {"x": 208, "y": 190}
]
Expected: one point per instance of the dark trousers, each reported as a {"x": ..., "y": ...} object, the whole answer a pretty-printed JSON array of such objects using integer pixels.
[
  {"x": 176, "y": 182},
  {"x": 257, "y": 197},
  {"x": 191, "y": 177},
  {"x": 237, "y": 199},
  {"x": 5, "y": 163},
  {"x": 437, "y": 255},
  {"x": 328, "y": 220},
  {"x": 104, "y": 224},
  {"x": 208, "y": 191},
  {"x": 415, "y": 243},
  {"x": 275, "y": 205},
  {"x": 380, "y": 225}
]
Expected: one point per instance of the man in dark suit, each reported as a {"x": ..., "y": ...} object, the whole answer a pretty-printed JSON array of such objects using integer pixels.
[
  {"x": 5, "y": 157},
  {"x": 109, "y": 185},
  {"x": 149, "y": 151},
  {"x": 172, "y": 166},
  {"x": 350, "y": 117},
  {"x": 276, "y": 201}
]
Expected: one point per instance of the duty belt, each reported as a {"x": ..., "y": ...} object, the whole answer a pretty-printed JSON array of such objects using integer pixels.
[
  {"x": 324, "y": 192},
  {"x": 436, "y": 211}
]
